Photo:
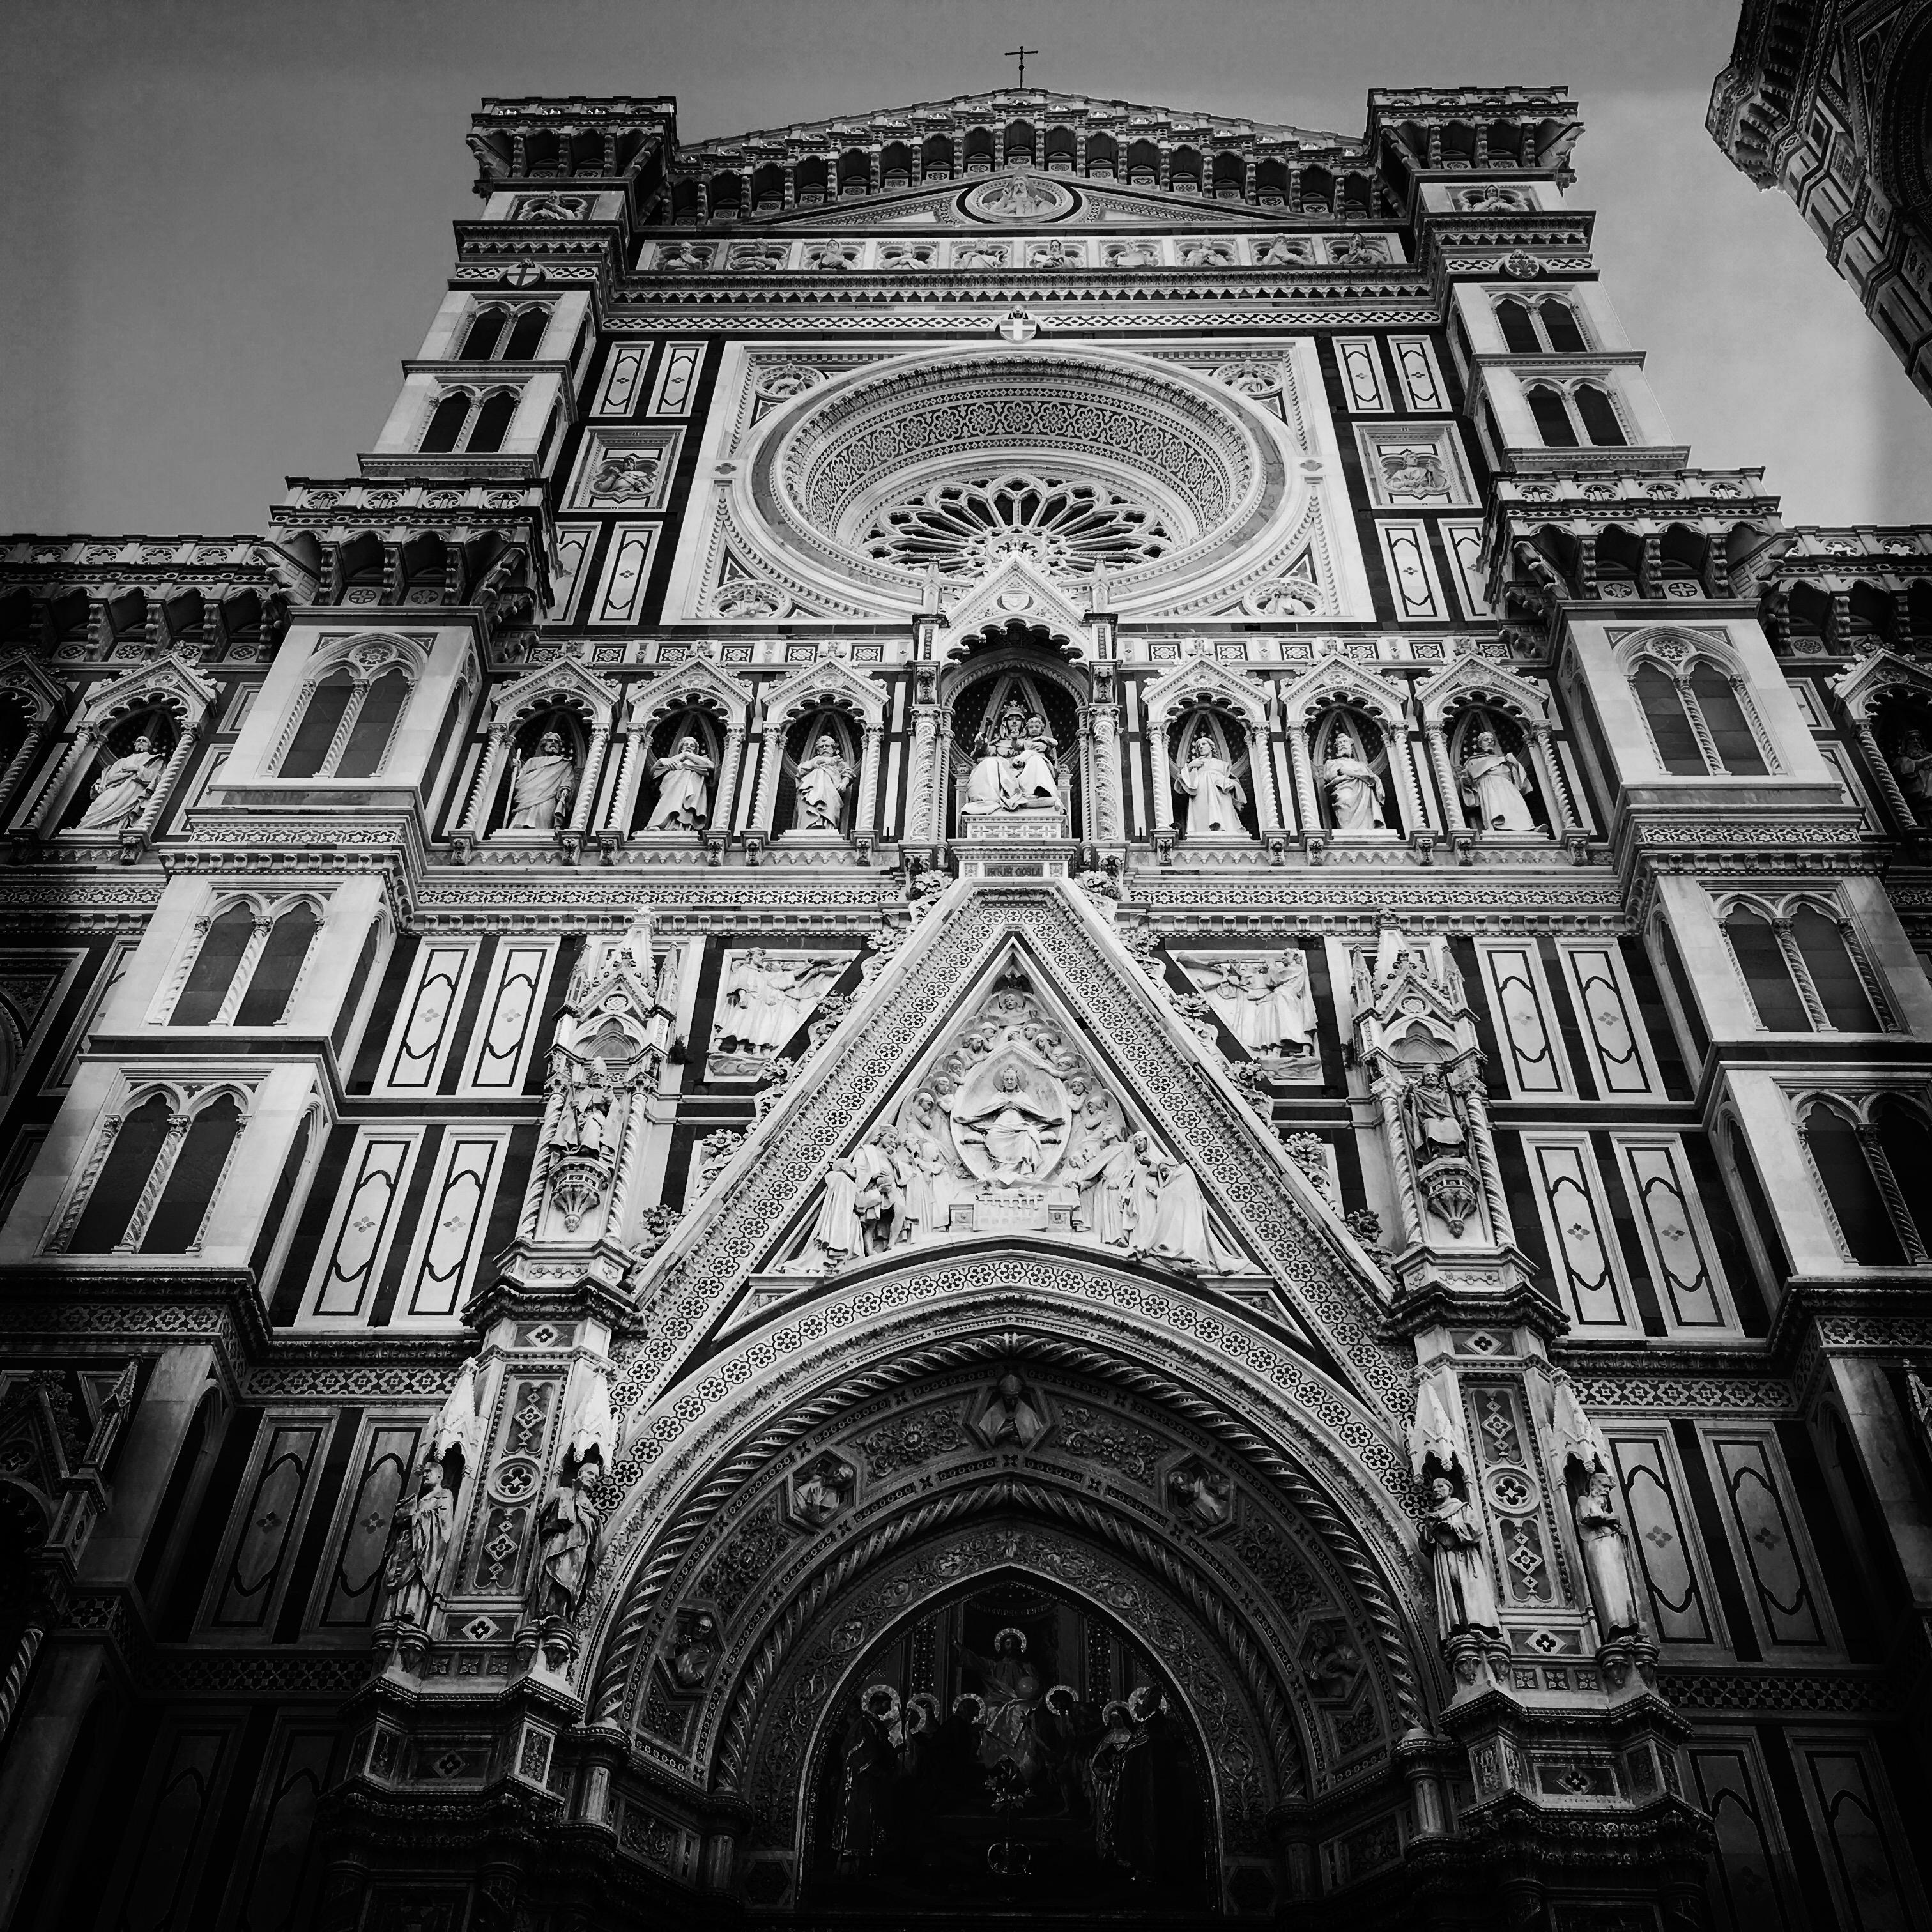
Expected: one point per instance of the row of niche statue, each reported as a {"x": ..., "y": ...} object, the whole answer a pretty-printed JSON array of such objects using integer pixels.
[
  {"x": 1492, "y": 782},
  {"x": 569, "y": 1542},
  {"x": 546, "y": 786},
  {"x": 1453, "y": 1541}
]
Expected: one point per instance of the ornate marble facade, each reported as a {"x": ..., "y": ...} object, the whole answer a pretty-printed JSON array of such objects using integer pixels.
[{"x": 1028, "y": 1036}]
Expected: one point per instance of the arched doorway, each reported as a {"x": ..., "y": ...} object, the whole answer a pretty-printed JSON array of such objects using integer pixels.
[{"x": 1011, "y": 1747}]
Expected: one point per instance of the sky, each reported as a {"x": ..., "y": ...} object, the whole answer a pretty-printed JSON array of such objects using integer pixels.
[{"x": 229, "y": 221}]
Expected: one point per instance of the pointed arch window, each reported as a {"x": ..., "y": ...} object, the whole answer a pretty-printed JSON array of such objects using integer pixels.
[
  {"x": 1575, "y": 414},
  {"x": 1865, "y": 1160},
  {"x": 347, "y": 723},
  {"x": 462, "y": 421},
  {"x": 139, "y": 1140},
  {"x": 526, "y": 335},
  {"x": 1545, "y": 328},
  {"x": 247, "y": 967},
  {"x": 1699, "y": 719},
  {"x": 485, "y": 332},
  {"x": 1806, "y": 970},
  {"x": 158, "y": 1179},
  {"x": 175, "y": 1227}
]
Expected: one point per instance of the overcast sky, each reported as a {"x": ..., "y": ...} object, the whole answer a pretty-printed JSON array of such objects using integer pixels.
[{"x": 228, "y": 221}]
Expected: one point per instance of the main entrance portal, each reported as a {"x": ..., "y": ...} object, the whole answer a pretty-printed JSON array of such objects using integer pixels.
[{"x": 1009, "y": 1749}]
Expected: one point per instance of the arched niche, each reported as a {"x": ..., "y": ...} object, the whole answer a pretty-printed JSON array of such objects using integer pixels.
[
  {"x": 1202, "y": 698},
  {"x": 565, "y": 698},
  {"x": 1342, "y": 794},
  {"x": 1888, "y": 700},
  {"x": 1018, "y": 680},
  {"x": 826, "y": 697},
  {"x": 695, "y": 699},
  {"x": 544, "y": 772},
  {"x": 167, "y": 703},
  {"x": 675, "y": 735},
  {"x": 1470, "y": 697},
  {"x": 780, "y": 1570}
]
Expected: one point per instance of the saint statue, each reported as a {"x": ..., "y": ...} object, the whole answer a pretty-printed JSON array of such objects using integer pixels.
[
  {"x": 1491, "y": 784},
  {"x": 818, "y": 1492},
  {"x": 1200, "y": 1495},
  {"x": 419, "y": 1544},
  {"x": 1109, "y": 1170},
  {"x": 1012, "y": 1689},
  {"x": 1178, "y": 1229},
  {"x": 1013, "y": 769},
  {"x": 922, "y": 1171},
  {"x": 1432, "y": 1111},
  {"x": 1264, "y": 1001},
  {"x": 1354, "y": 793},
  {"x": 694, "y": 1651},
  {"x": 123, "y": 789},
  {"x": 1214, "y": 793},
  {"x": 823, "y": 780},
  {"x": 684, "y": 792},
  {"x": 570, "y": 1533},
  {"x": 1913, "y": 763},
  {"x": 583, "y": 1114},
  {"x": 871, "y": 1770},
  {"x": 1452, "y": 1538},
  {"x": 1606, "y": 1547},
  {"x": 546, "y": 784},
  {"x": 770, "y": 997}
]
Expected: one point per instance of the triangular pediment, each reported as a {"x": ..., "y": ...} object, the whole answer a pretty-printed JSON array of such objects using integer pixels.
[
  {"x": 1016, "y": 593},
  {"x": 1053, "y": 1099}
]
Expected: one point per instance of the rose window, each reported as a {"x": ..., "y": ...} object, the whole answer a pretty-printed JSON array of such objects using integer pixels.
[{"x": 1070, "y": 527}]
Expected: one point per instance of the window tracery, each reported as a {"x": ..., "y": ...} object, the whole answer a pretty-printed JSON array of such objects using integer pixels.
[
  {"x": 154, "y": 1173},
  {"x": 250, "y": 961},
  {"x": 1065, "y": 524},
  {"x": 1868, "y": 1153}
]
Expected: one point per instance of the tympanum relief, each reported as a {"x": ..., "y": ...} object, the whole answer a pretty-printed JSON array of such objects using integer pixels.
[{"x": 1012, "y": 1128}]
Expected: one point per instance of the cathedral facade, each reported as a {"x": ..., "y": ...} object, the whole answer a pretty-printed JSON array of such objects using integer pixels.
[{"x": 1029, "y": 1037}]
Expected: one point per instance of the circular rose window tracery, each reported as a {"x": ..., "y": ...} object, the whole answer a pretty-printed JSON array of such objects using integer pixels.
[
  {"x": 1084, "y": 464},
  {"x": 1068, "y": 526}
]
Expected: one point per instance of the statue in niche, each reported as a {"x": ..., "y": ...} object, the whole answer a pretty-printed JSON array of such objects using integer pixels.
[
  {"x": 1281, "y": 251},
  {"x": 1492, "y": 782},
  {"x": 419, "y": 1535},
  {"x": 1354, "y": 793},
  {"x": 769, "y": 997},
  {"x": 694, "y": 1650},
  {"x": 1012, "y": 1415},
  {"x": 1913, "y": 763},
  {"x": 1018, "y": 199},
  {"x": 121, "y": 792},
  {"x": 1012, "y": 1688},
  {"x": 1435, "y": 1116},
  {"x": 546, "y": 782},
  {"x": 821, "y": 1489},
  {"x": 1264, "y": 1000},
  {"x": 1214, "y": 795},
  {"x": 1452, "y": 1538},
  {"x": 1605, "y": 1544},
  {"x": 1201, "y": 1496},
  {"x": 582, "y": 1124},
  {"x": 570, "y": 1541},
  {"x": 823, "y": 781},
  {"x": 684, "y": 796},
  {"x": 1013, "y": 769}
]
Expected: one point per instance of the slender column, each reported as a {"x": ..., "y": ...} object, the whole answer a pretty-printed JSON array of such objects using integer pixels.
[
  {"x": 164, "y": 786},
  {"x": 729, "y": 778},
  {"x": 865, "y": 815},
  {"x": 85, "y": 745},
  {"x": 593, "y": 773},
  {"x": 1880, "y": 1164},
  {"x": 1401, "y": 767},
  {"x": 624, "y": 793},
  {"x": 1445, "y": 777},
  {"x": 1303, "y": 767},
  {"x": 1110, "y": 814},
  {"x": 158, "y": 1179},
  {"x": 1700, "y": 727},
  {"x": 476, "y": 814},
  {"x": 771, "y": 760},
  {"x": 22, "y": 761},
  {"x": 1785, "y": 931},
  {"x": 1162, "y": 803},
  {"x": 1550, "y": 772},
  {"x": 56, "y": 1707},
  {"x": 244, "y": 970},
  {"x": 1880, "y": 767},
  {"x": 1260, "y": 774},
  {"x": 18, "y": 1668}
]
